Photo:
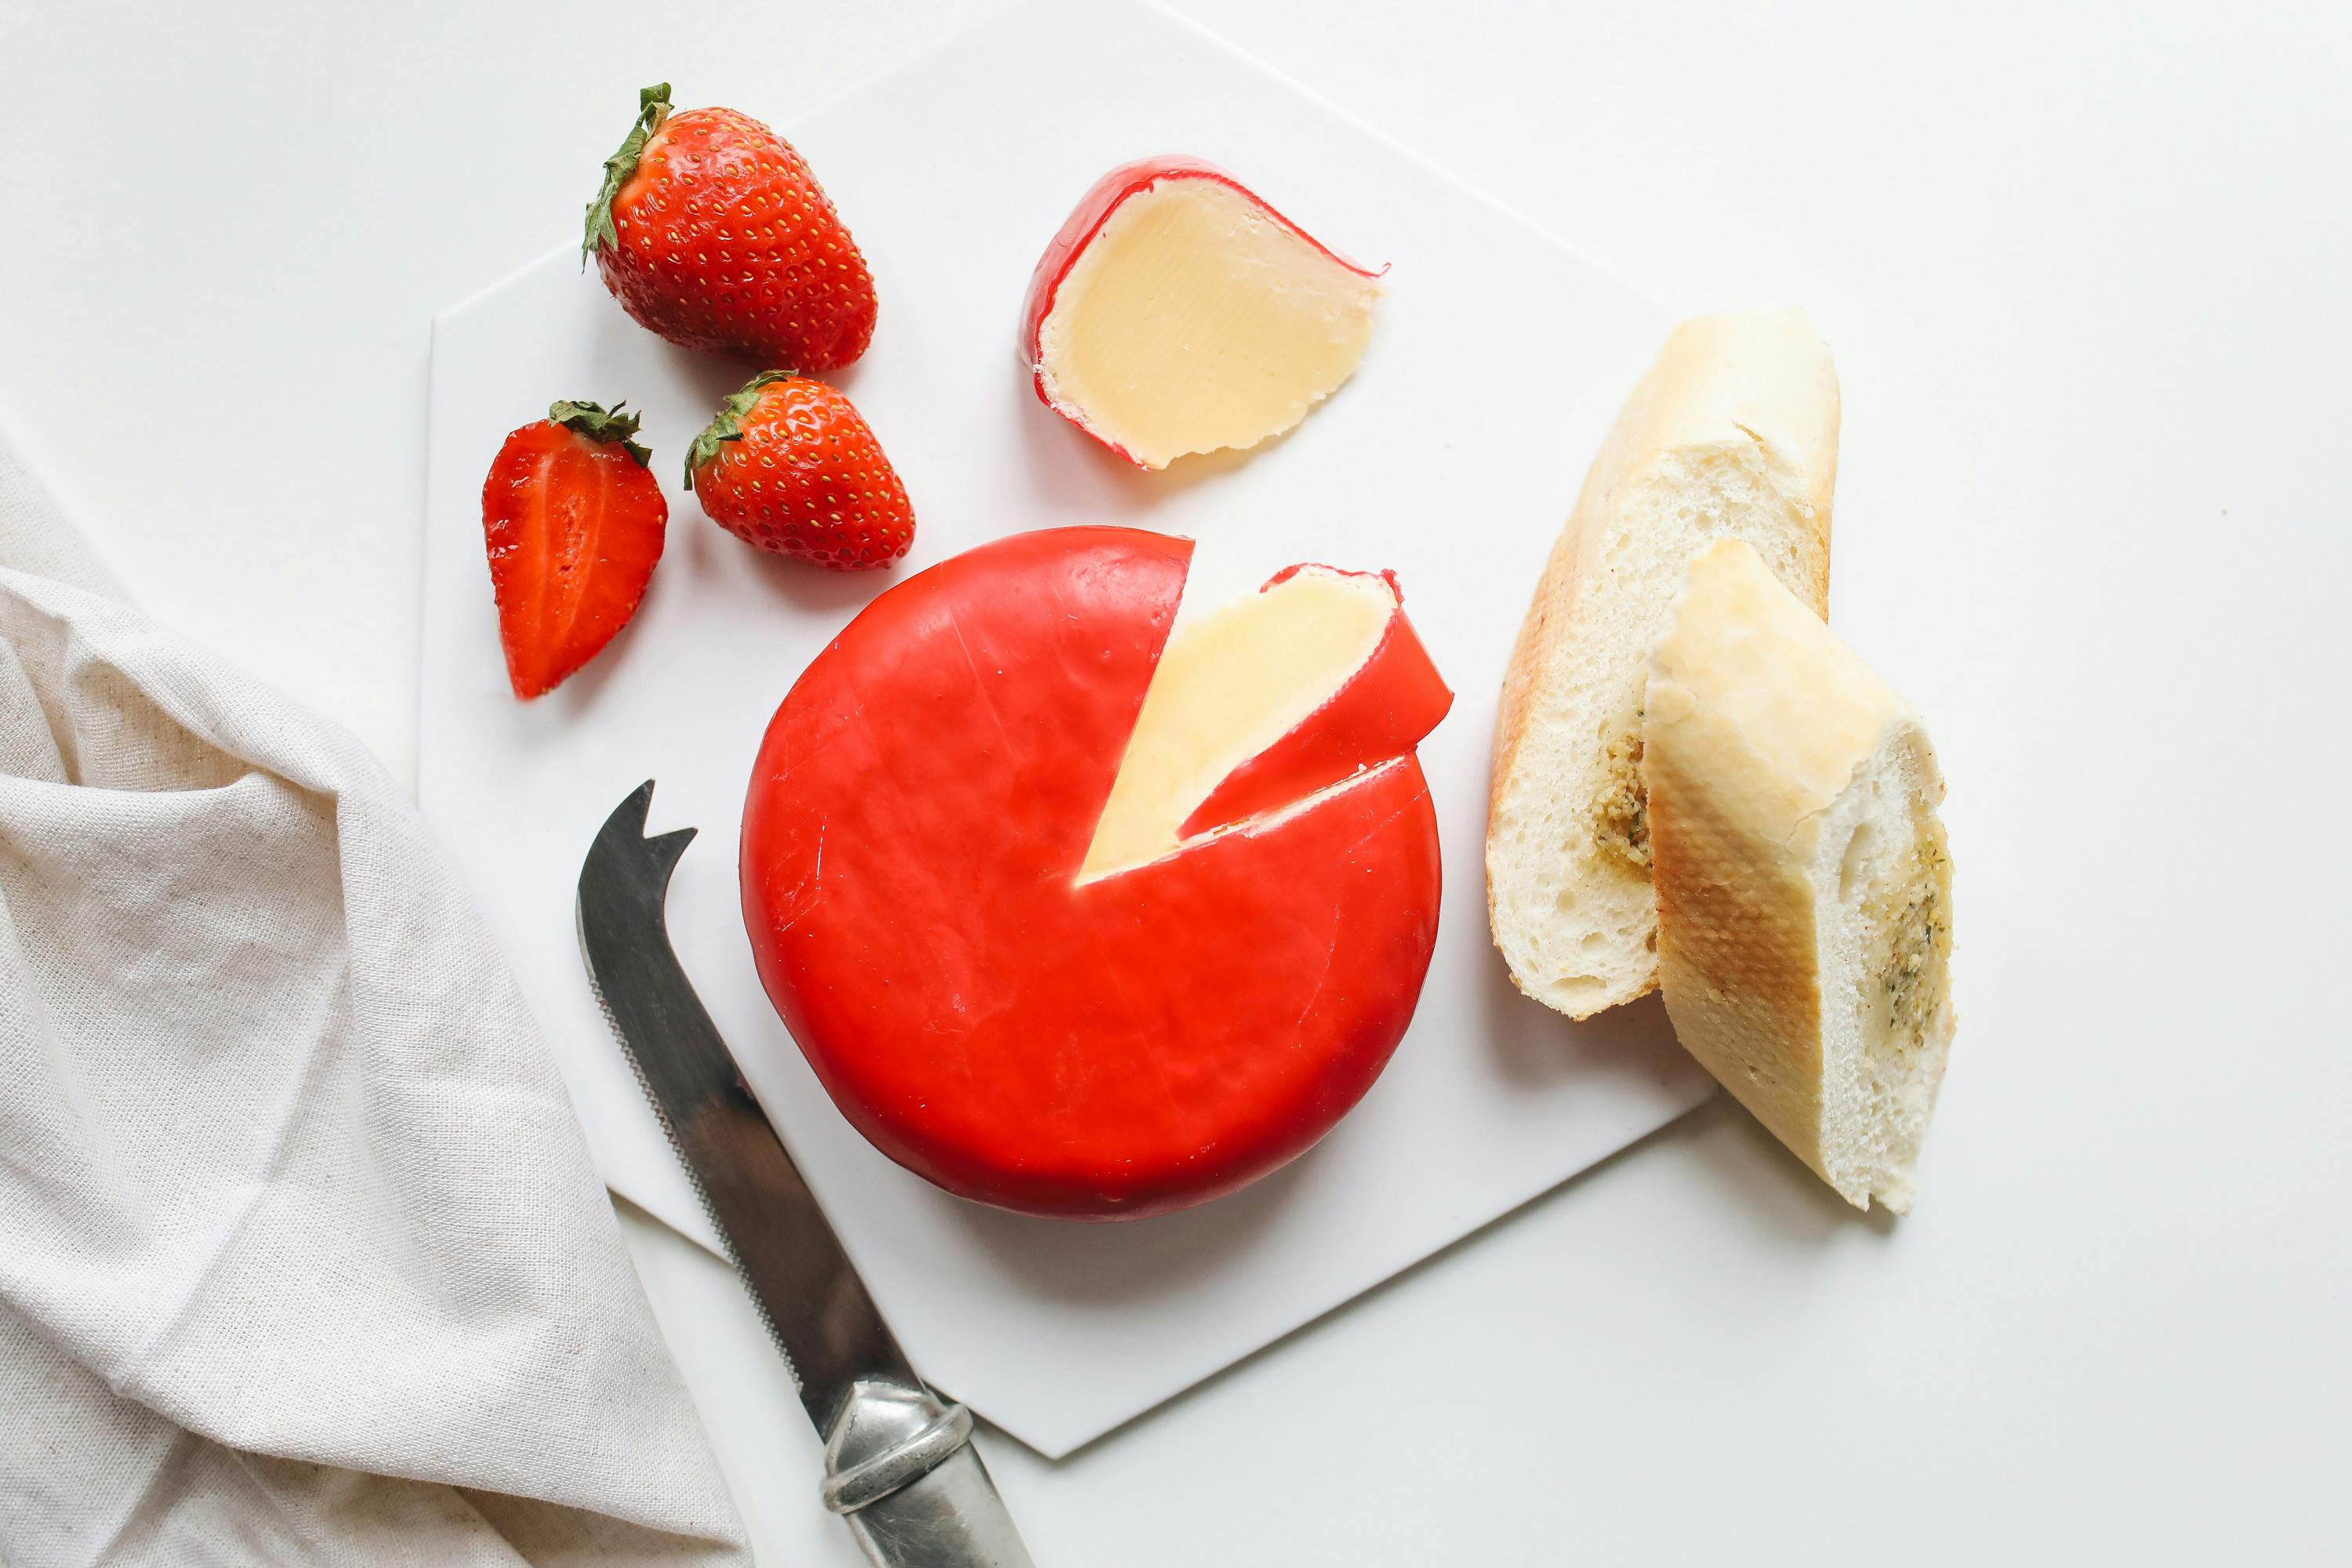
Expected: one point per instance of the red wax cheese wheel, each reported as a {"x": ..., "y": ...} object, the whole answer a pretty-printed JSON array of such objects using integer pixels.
[{"x": 1106, "y": 1048}]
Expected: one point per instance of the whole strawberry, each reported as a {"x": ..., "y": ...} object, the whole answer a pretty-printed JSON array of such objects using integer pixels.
[
  {"x": 574, "y": 523},
  {"x": 790, "y": 467},
  {"x": 711, "y": 231}
]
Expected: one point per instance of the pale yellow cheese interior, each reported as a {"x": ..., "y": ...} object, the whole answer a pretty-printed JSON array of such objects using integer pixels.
[
  {"x": 1228, "y": 687},
  {"x": 1193, "y": 322}
]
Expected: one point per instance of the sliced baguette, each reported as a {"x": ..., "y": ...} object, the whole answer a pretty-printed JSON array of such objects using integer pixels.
[
  {"x": 1804, "y": 886},
  {"x": 1733, "y": 432}
]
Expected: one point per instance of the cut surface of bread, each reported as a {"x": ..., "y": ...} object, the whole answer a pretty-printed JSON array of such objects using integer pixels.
[
  {"x": 1732, "y": 433},
  {"x": 1803, "y": 881}
]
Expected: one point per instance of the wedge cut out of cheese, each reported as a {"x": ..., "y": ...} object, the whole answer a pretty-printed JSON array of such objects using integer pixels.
[
  {"x": 1074, "y": 919},
  {"x": 1176, "y": 312},
  {"x": 1226, "y": 734}
]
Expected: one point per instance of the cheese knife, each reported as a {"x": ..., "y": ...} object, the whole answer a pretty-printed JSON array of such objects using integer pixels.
[{"x": 899, "y": 1463}]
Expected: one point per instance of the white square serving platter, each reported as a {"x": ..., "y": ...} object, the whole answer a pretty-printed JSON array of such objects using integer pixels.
[{"x": 1451, "y": 457}]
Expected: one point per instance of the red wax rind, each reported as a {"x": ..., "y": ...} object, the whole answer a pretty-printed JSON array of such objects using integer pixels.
[{"x": 1139, "y": 1044}]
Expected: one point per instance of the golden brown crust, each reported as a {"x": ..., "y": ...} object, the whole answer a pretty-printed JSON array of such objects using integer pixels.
[{"x": 1737, "y": 939}]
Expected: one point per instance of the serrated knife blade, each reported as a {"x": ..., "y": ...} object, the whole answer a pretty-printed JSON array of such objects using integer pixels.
[{"x": 899, "y": 1465}]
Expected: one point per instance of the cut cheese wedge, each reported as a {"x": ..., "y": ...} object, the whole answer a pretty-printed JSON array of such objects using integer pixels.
[
  {"x": 1175, "y": 312},
  {"x": 1315, "y": 678},
  {"x": 1034, "y": 947},
  {"x": 1804, "y": 884}
]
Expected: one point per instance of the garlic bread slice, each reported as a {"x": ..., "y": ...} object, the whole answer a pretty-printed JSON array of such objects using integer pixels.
[{"x": 1804, "y": 884}]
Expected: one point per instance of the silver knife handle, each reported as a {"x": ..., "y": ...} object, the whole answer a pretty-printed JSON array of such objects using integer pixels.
[{"x": 900, "y": 1468}]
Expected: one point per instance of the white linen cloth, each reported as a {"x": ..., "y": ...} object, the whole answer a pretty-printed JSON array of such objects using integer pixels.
[{"x": 301, "y": 1255}]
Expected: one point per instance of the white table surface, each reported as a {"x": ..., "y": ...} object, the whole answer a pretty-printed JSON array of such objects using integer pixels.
[{"x": 2085, "y": 271}]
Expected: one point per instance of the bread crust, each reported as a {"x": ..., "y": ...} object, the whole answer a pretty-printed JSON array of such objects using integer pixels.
[
  {"x": 1759, "y": 719},
  {"x": 1763, "y": 1040},
  {"x": 1764, "y": 377}
]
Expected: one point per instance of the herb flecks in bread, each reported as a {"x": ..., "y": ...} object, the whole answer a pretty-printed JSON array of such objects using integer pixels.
[
  {"x": 1620, "y": 818},
  {"x": 1804, "y": 883},
  {"x": 1731, "y": 433},
  {"x": 1911, "y": 944}
]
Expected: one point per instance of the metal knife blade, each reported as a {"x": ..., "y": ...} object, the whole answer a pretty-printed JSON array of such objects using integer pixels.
[{"x": 899, "y": 1465}]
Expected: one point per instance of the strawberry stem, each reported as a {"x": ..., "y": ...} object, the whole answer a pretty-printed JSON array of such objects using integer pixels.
[
  {"x": 599, "y": 423},
  {"x": 727, "y": 425},
  {"x": 653, "y": 108}
]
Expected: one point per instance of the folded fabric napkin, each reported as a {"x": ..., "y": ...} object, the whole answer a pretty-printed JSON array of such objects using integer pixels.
[{"x": 301, "y": 1255}]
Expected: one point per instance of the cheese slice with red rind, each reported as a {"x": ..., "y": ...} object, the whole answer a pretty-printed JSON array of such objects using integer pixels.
[
  {"x": 1393, "y": 699},
  {"x": 1177, "y": 312},
  {"x": 1137, "y": 1042}
]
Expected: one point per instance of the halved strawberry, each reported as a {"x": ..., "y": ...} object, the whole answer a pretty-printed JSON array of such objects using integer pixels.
[{"x": 574, "y": 523}]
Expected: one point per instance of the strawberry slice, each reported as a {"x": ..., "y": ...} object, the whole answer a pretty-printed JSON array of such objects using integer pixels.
[{"x": 575, "y": 520}]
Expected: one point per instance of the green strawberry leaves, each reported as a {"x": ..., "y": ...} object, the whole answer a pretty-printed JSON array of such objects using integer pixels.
[
  {"x": 727, "y": 425},
  {"x": 598, "y": 422},
  {"x": 653, "y": 108}
]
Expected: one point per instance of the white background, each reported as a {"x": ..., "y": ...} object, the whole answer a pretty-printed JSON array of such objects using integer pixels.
[{"x": 2085, "y": 270}]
